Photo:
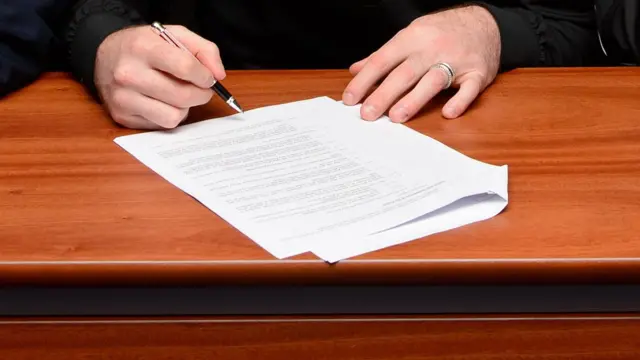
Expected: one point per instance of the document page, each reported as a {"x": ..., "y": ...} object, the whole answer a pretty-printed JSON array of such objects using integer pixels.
[
  {"x": 312, "y": 176},
  {"x": 290, "y": 176}
]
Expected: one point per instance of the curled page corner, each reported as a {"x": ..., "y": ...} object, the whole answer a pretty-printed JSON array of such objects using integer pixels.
[{"x": 475, "y": 206}]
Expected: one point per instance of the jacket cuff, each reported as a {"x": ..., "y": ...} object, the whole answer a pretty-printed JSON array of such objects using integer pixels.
[
  {"x": 520, "y": 40},
  {"x": 91, "y": 25}
]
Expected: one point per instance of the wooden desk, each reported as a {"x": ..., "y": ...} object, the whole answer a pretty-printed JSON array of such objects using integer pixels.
[
  {"x": 76, "y": 208},
  {"x": 87, "y": 230}
]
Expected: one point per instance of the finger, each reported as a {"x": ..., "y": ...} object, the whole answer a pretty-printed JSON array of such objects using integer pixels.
[
  {"x": 355, "y": 68},
  {"x": 181, "y": 65},
  {"x": 204, "y": 50},
  {"x": 378, "y": 65},
  {"x": 469, "y": 91},
  {"x": 127, "y": 103},
  {"x": 159, "y": 86},
  {"x": 429, "y": 86},
  {"x": 397, "y": 83},
  {"x": 137, "y": 122}
]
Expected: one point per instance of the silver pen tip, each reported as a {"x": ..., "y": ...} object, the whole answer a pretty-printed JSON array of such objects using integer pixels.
[{"x": 234, "y": 104}]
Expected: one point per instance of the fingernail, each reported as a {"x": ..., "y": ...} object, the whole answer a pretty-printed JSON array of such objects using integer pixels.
[
  {"x": 401, "y": 115},
  {"x": 347, "y": 98},
  {"x": 369, "y": 112}
]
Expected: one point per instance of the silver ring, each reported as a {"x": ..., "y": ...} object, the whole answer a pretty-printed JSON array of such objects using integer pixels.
[{"x": 448, "y": 70}]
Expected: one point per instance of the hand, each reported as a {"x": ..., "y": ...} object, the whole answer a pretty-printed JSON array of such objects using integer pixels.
[
  {"x": 148, "y": 83},
  {"x": 466, "y": 38}
]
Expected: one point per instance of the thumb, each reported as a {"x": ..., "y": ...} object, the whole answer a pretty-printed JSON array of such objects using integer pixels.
[{"x": 204, "y": 50}]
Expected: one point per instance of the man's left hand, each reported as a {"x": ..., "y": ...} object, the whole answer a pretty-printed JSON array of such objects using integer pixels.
[{"x": 466, "y": 38}]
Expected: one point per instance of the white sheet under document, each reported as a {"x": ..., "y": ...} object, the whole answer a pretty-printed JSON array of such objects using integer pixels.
[{"x": 312, "y": 176}]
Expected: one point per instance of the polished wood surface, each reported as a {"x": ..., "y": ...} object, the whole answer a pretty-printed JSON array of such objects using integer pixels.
[
  {"x": 589, "y": 338},
  {"x": 74, "y": 207}
]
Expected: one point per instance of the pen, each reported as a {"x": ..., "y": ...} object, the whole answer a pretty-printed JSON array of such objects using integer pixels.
[{"x": 217, "y": 86}]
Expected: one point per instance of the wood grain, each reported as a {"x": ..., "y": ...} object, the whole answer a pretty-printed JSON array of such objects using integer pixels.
[
  {"x": 429, "y": 338},
  {"x": 75, "y": 207}
]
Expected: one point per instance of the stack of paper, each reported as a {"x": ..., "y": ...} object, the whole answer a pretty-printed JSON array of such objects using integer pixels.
[{"x": 312, "y": 176}]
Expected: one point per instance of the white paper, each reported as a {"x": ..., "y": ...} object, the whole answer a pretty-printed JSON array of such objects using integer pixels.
[
  {"x": 312, "y": 176},
  {"x": 481, "y": 189}
]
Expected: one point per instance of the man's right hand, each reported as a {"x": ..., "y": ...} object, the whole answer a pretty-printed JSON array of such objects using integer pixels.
[{"x": 148, "y": 83}]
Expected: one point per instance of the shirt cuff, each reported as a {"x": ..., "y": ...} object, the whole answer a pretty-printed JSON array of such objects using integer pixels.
[{"x": 521, "y": 42}]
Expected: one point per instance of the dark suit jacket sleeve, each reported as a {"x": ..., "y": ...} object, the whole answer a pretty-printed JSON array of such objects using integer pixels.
[
  {"x": 619, "y": 25},
  {"x": 27, "y": 40},
  {"x": 92, "y": 21},
  {"x": 546, "y": 33}
]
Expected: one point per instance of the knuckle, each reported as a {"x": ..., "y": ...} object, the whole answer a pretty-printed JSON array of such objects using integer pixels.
[
  {"x": 183, "y": 96},
  {"x": 119, "y": 116},
  {"x": 203, "y": 96},
  {"x": 206, "y": 79},
  {"x": 120, "y": 119},
  {"x": 140, "y": 45},
  {"x": 215, "y": 49},
  {"x": 379, "y": 61},
  {"x": 183, "y": 66},
  {"x": 402, "y": 33},
  {"x": 179, "y": 28},
  {"x": 124, "y": 75},
  {"x": 189, "y": 96},
  {"x": 415, "y": 68},
  {"x": 418, "y": 29},
  {"x": 118, "y": 101},
  {"x": 174, "y": 117},
  {"x": 409, "y": 75}
]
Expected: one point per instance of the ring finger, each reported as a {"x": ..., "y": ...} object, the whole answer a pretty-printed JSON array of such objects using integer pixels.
[{"x": 138, "y": 122}]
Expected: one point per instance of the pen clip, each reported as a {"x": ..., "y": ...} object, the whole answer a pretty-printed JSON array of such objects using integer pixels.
[{"x": 167, "y": 36}]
